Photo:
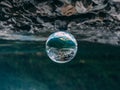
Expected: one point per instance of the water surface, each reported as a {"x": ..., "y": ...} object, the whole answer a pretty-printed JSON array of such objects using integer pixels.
[{"x": 24, "y": 65}]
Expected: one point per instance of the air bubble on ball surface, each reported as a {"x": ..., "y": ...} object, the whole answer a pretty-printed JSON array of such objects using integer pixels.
[{"x": 61, "y": 47}]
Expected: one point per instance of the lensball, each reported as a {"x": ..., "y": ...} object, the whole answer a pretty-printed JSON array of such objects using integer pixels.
[{"x": 61, "y": 47}]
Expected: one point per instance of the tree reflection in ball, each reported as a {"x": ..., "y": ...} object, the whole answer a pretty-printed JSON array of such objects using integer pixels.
[{"x": 61, "y": 47}]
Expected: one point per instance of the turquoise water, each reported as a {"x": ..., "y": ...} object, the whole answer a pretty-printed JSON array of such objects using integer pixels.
[{"x": 24, "y": 65}]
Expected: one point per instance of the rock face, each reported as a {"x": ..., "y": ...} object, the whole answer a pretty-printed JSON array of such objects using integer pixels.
[{"x": 91, "y": 20}]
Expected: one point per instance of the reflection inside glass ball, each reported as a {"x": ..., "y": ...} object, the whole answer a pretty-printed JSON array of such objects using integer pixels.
[{"x": 61, "y": 47}]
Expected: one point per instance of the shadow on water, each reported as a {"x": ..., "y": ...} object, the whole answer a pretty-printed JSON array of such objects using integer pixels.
[{"x": 25, "y": 66}]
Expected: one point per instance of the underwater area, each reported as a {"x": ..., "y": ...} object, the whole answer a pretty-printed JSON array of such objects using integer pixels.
[
  {"x": 25, "y": 65},
  {"x": 24, "y": 30}
]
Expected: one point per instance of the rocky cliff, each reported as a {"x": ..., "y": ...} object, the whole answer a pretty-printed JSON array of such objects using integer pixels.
[{"x": 90, "y": 20}]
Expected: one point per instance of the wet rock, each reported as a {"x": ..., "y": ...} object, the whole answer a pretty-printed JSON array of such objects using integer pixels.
[
  {"x": 68, "y": 10},
  {"x": 91, "y": 20},
  {"x": 60, "y": 25},
  {"x": 116, "y": 0},
  {"x": 80, "y": 7},
  {"x": 44, "y": 10},
  {"x": 6, "y": 4},
  {"x": 3, "y": 15},
  {"x": 98, "y": 1},
  {"x": 29, "y": 7}
]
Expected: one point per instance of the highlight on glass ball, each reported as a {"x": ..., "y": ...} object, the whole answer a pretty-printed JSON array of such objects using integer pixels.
[{"x": 61, "y": 47}]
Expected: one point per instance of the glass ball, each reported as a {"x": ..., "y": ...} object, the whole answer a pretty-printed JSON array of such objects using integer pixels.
[{"x": 61, "y": 47}]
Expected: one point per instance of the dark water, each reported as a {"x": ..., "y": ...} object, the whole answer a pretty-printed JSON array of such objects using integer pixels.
[{"x": 24, "y": 65}]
